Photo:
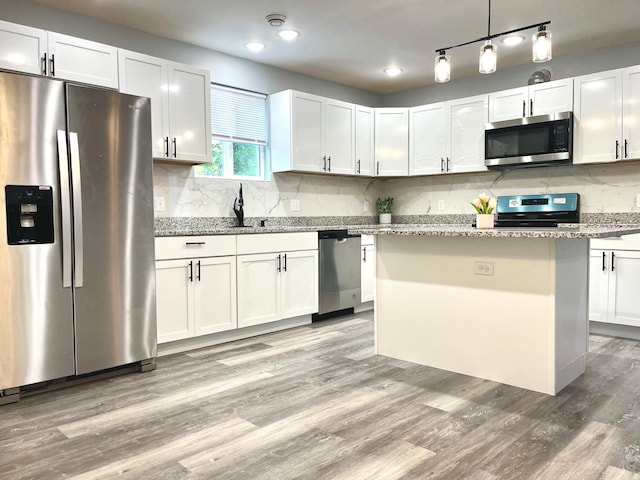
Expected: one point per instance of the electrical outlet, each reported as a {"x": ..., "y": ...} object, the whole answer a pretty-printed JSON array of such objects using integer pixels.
[
  {"x": 638, "y": 200},
  {"x": 366, "y": 206},
  {"x": 295, "y": 205},
  {"x": 158, "y": 204},
  {"x": 483, "y": 268},
  {"x": 440, "y": 204}
]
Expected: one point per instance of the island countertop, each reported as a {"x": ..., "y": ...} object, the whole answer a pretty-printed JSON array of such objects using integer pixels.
[{"x": 456, "y": 230}]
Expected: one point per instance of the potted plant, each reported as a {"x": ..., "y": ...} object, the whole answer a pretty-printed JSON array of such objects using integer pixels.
[
  {"x": 384, "y": 207},
  {"x": 484, "y": 206}
]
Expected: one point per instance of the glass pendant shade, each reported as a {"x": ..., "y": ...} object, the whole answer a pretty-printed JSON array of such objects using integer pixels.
[
  {"x": 488, "y": 57},
  {"x": 442, "y": 68},
  {"x": 542, "y": 45}
]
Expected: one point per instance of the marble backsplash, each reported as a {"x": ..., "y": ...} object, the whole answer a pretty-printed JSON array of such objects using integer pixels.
[{"x": 603, "y": 189}]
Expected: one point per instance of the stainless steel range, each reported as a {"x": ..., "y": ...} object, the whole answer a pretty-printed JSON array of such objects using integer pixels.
[{"x": 543, "y": 211}]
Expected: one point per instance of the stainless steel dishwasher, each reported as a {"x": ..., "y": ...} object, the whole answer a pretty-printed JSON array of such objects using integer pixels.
[{"x": 339, "y": 282}]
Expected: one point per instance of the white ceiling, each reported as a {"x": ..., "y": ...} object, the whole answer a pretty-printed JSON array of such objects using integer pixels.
[{"x": 351, "y": 41}]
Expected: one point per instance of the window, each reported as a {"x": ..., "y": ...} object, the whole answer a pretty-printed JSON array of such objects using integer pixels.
[{"x": 238, "y": 133}]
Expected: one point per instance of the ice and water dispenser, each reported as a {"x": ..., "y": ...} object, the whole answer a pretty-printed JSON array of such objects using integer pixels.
[{"x": 29, "y": 214}]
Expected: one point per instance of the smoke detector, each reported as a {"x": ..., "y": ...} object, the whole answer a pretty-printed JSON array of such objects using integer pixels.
[{"x": 275, "y": 19}]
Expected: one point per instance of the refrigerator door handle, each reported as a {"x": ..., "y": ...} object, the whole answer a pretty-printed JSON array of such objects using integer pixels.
[
  {"x": 65, "y": 206},
  {"x": 77, "y": 209}
]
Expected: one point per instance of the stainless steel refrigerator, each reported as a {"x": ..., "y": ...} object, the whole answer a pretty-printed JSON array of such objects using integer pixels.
[{"x": 77, "y": 278}]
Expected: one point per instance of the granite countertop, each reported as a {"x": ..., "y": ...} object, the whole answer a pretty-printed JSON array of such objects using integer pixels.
[
  {"x": 439, "y": 230},
  {"x": 566, "y": 230}
]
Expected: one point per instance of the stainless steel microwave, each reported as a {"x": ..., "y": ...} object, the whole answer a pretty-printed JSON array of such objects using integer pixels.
[{"x": 530, "y": 141}]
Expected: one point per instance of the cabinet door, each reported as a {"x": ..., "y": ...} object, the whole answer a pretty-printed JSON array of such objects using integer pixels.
[
  {"x": 551, "y": 97},
  {"x": 299, "y": 287},
  {"x": 508, "y": 104},
  {"x": 368, "y": 273},
  {"x": 258, "y": 289},
  {"x": 598, "y": 117},
  {"x": 598, "y": 285},
  {"x": 174, "y": 300},
  {"x": 339, "y": 136},
  {"x": 307, "y": 133},
  {"x": 147, "y": 76},
  {"x": 189, "y": 114},
  {"x": 23, "y": 48},
  {"x": 392, "y": 141},
  {"x": 465, "y": 140},
  {"x": 427, "y": 139},
  {"x": 364, "y": 141},
  {"x": 631, "y": 108},
  {"x": 82, "y": 60},
  {"x": 214, "y": 295},
  {"x": 624, "y": 278}
]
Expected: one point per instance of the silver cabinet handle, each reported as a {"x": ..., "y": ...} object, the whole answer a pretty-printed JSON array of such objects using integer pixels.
[
  {"x": 166, "y": 146},
  {"x": 448, "y": 167},
  {"x": 77, "y": 209},
  {"x": 358, "y": 165},
  {"x": 279, "y": 263},
  {"x": 65, "y": 206},
  {"x": 524, "y": 108},
  {"x": 329, "y": 162},
  {"x": 378, "y": 168},
  {"x": 175, "y": 148},
  {"x": 198, "y": 271},
  {"x": 442, "y": 164},
  {"x": 626, "y": 151},
  {"x": 613, "y": 257},
  {"x": 531, "y": 107},
  {"x": 53, "y": 65},
  {"x": 191, "y": 271},
  {"x": 617, "y": 149},
  {"x": 190, "y": 244},
  {"x": 44, "y": 64},
  {"x": 364, "y": 254},
  {"x": 324, "y": 163},
  {"x": 285, "y": 263}
]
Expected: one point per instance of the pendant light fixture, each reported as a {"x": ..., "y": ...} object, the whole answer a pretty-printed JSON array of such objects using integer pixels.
[
  {"x": 542, "y": 45},
  {"x": 488, "y": 52},
  {"x": 442, "y": 68}
]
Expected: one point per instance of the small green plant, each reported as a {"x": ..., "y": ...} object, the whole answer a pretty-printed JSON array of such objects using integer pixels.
[{"x": 384, "y": 205}]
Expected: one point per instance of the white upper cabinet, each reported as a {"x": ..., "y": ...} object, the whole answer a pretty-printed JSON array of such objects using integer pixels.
[
  {"x": 36, "y": 51},
  {"x": 23, "y": 48},
  {"x": 631, "y": 112},
  {"x": 180, "y": 103},
  {"x": 448, "y": 137},
  {"x": 391, "y": 141},
  {"x": 83, "y": 61},
  {"x": 465, "y": 138},
  {"x": 539, "y": 99},
  {"x": 364, "y": 141},
  {"x": 427, "y": 139},
  {"x": 311, "y": 133},
  {"x": 598, "y": 117}
]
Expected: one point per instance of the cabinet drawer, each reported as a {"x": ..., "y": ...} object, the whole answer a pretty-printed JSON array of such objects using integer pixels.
[
  {"x": 195, "y": 246},
  {"x": 625, "y": 242},
  {"x": 277, "y": 242},
  {"x": 367, "y": 240}
]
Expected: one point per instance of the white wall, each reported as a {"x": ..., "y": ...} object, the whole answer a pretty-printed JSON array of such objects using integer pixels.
[{"x": 610, "y": 188}]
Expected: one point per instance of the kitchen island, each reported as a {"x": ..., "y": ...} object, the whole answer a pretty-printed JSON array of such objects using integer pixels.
[{"x": 508, "y": 305}]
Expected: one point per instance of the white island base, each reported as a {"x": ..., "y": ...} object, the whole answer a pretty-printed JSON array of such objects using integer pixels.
[{"x": 525, "y": 325}]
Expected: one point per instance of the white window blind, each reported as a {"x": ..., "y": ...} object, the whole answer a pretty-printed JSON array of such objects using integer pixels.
[{"x": 238, "y": 115}]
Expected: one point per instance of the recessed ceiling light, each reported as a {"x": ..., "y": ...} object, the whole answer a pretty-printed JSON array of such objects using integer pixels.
[
  {"x": 255, "y": 46},
  {"x": 512, "y": 40},
  {"x": 288, "y": 34},
  {"x": 393, "y": 71}
]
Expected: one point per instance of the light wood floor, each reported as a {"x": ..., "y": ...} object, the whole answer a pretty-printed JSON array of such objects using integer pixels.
[{"x": 315, "y": 403}]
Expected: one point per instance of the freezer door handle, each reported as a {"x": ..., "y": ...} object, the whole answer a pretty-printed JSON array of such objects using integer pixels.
[
  {"x": 77, "y": 209},
  {"x": 65, "y": 206}
]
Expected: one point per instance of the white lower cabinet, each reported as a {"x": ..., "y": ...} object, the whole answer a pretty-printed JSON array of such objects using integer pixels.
[
  {"x": 368, "y": 269},
  {"x": 277, "y": 277},
  {"x": 275, "y": 286},
  {"x": 195, "y": 286},
  {"x": 613, "y": 287}
]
